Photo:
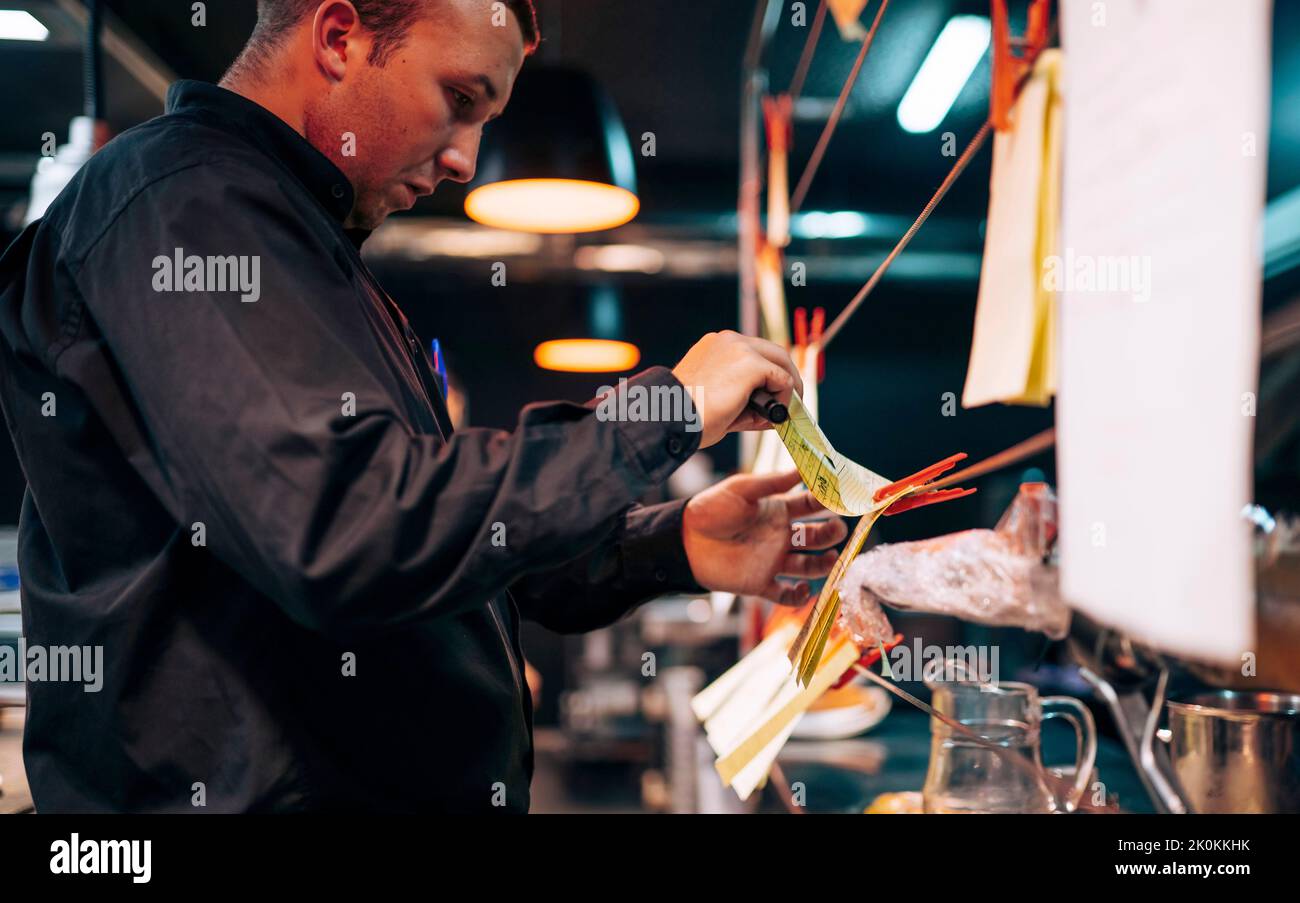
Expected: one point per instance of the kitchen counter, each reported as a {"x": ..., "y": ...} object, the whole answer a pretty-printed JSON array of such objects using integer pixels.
[
  {"x": 846, "y": 775},
  {"x": 838, "y": 775}
]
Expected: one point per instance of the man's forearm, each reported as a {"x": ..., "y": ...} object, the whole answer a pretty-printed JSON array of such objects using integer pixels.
[{"x": 644, "y": 559}]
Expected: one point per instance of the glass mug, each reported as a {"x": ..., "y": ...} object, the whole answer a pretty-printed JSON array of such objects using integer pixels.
[{"x": 968, "y": 776}]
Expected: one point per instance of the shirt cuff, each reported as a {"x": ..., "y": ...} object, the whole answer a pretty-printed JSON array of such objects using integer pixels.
[
  {"x": 656, "y": 415},
  {"x": 654, "y": 557}
]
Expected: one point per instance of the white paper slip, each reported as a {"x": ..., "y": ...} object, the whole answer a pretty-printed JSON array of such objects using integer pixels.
[{"x": 706, "y": 703}]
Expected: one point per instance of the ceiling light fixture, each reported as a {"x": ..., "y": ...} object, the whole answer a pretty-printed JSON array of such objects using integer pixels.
[
  {"x": 558, "y": 161},
  {"x": 947, "y": 67},
  {"x": 20, "y": 25}
]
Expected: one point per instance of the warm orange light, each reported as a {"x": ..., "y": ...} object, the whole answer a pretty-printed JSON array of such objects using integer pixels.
[
  {"x": 551, "y": 205},
  {"x": 586, "y": 355}
]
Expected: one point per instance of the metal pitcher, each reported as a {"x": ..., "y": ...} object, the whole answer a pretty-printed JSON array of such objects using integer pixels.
[{"x": 1236, "y": 752}]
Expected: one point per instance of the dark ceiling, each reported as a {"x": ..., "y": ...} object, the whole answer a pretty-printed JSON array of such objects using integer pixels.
[{"x": 673, "y": 67}]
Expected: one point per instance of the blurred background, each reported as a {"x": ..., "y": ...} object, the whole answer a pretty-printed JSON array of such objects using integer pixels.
[{"x": 673, "y": 71}]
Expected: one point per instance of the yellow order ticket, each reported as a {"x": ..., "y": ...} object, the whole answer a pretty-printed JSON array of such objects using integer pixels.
[
  {"x": 806, "y": 651},
  {"x": 847, "y": 488},
  {"x": 842, "y": 485}
]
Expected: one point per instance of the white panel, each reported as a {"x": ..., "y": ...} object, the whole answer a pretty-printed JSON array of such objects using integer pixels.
[{"x": 1163, "y": 100}]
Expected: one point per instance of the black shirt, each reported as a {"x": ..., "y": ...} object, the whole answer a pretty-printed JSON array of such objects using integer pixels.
[{"x": 306, "y": 588}]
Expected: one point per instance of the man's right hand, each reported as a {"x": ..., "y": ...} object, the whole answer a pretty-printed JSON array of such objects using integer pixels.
[{"x": 723, "y": 369}]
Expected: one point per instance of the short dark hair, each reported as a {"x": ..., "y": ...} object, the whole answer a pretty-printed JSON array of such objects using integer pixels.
[{"x": 387, "y": 20}]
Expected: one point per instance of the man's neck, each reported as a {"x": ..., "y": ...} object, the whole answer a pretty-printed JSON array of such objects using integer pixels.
[
  {"x": 289, "y": 105},
  {"x": 283, "y": 103}
]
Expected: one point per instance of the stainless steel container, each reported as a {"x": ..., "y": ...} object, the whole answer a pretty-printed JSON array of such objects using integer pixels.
[{"x": 1237, "y": 752}]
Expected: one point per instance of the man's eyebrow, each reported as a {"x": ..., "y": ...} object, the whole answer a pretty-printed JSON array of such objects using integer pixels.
[{"x": 488, "y": 88}]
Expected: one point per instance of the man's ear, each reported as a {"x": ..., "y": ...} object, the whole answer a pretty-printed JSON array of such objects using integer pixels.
[{"x": 336, "y": 38}]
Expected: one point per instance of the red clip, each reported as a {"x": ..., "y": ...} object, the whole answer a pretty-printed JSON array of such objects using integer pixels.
[
  {"x": 800, "y": 327},
  {"x": 921, "y": 477},
  {"x": 869, "y": 658},
  {"x": 920, "y": 500},
  {"x": 780, "y": 125},
  {"x": 1008, "y": 67}
]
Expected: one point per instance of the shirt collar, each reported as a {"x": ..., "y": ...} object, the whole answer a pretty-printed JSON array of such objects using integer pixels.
[{"x": 273, "y": 136}]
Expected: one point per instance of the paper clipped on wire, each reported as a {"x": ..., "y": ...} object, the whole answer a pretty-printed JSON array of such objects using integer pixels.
[
  {"x": 847, "y": 15},
  {"x": 770, "y": 286},
  {"x": 1013, "y": 352},
  {"x": 769, "y": 262},
  {"x": 845, "y": 487},
  {"x": 777, "y": 112},
  {"x": 750, "y": 711}
]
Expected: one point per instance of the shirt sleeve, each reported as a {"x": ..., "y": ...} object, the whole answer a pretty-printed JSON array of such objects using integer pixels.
[
  {"x": 236, "y": 415},
  {"x": 643, "y": 559}
]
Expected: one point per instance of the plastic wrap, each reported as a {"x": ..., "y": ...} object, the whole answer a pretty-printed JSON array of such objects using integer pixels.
[{"x": 995, "y": 577}]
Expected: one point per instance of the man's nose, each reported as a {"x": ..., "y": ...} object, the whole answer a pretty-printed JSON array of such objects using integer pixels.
[{"x": 460, "y": 158}]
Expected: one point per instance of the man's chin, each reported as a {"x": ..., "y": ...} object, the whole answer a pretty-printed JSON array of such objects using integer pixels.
[{"x": 369, "y": 220}]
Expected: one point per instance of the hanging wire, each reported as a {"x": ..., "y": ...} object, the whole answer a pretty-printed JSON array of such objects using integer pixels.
[
  {"x": 810, "y": 170},
  {"x": 809, "y": 51},
  {"x": 958, "y": 167},
  {"x": 966, "y": 156},
  {"x": 1039, "y": 442},
  {"x": 1035, "y": 444}
]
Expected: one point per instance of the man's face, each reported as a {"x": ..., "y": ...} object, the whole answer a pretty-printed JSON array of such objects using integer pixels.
[{"x": 417, "y": 119}]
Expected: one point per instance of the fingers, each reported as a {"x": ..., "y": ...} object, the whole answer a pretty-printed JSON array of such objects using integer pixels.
[
  {"x": 814, "y": 535},
  {"x": 777, "y": 383},
  {"x": 798, "y": 564},
  {"x": 789, "y": 594},
  {"x": 756, "y": 486},
  {"x": 803, "y": 504},
  {"x": 723, "y": 369},
  {"x": 748, "y": 421},
  {"x": 763, "y": 374},
  {"x": 780, "y": 384}
]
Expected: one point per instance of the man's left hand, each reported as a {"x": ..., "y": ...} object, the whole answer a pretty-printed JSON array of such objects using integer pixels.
[{"x": 743, "y": 533}]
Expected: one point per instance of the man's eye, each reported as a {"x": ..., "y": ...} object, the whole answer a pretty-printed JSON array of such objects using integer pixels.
[{"x": 463, "y": 100}]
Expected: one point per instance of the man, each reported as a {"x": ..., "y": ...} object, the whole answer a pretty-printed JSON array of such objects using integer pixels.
[{"x": 243, "y": 484}]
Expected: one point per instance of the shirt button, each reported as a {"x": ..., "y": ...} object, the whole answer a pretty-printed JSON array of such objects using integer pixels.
[
  {"x": 660, "y": 575},
  {"x": 674, "y": 446},
  {"x": 338, "y": 191}
]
